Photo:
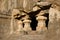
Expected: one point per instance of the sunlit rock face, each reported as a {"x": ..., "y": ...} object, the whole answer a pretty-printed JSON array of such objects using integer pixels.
[
  {"x": 17, "y": 18},
  {"x": 4, "y": 27}
]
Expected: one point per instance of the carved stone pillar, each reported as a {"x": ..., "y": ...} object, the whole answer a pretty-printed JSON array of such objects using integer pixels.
[
  {"x": 27, "y": 25},
  {"x": 41, "y": 23},
  {"x": 20, "y": 26}
]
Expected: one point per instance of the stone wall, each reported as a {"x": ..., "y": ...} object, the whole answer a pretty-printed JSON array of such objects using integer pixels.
[
  {"x": 4, "y": 27},
  {"x": 6, "y": 6}
]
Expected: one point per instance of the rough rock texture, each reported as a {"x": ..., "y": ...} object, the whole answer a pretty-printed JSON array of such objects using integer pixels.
[
  {"x": 4, "y": 27},
  {"x": 53, "y": 32}
]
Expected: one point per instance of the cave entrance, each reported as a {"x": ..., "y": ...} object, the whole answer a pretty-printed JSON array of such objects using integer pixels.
[{"x": 33, "y": 23}]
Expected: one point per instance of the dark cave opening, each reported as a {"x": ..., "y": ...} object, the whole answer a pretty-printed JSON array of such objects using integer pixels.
[
  {"x": 33, "y": 23},
  {"x": 47, "y": 21}
]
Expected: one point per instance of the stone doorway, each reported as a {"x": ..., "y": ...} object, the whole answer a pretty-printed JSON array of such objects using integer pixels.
[{"x": 33, "y": 23}]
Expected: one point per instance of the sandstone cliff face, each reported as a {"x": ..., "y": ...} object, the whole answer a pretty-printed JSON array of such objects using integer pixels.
[{"x": 6, "y": 7}]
